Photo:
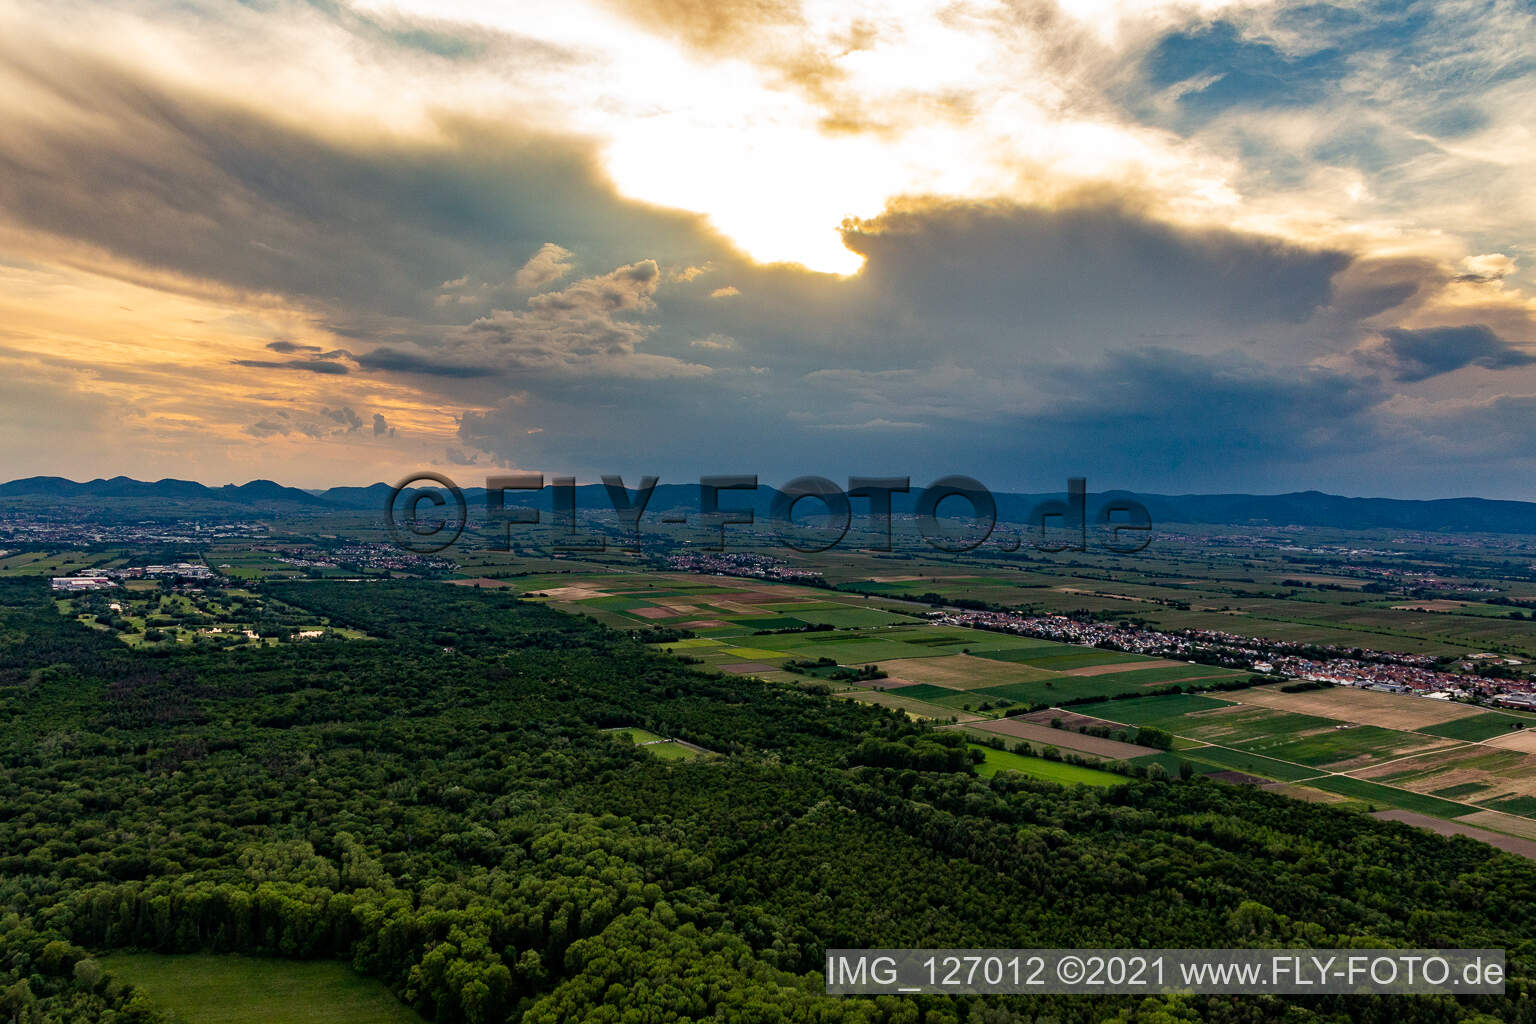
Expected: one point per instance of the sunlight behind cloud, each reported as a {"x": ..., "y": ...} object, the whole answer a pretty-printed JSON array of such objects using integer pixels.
[{"x": 860, "y": 104}]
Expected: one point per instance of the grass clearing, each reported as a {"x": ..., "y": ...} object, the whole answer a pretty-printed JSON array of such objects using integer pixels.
[
  {"x": 636, "y": 734},
  {"x": 671, "y": 750},
  {"x": 209, "y": 989},
  {"x": 1040, "y": 768}
]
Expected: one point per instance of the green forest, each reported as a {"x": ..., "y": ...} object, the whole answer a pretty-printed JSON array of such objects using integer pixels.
[{"x": 439, "y": 806}]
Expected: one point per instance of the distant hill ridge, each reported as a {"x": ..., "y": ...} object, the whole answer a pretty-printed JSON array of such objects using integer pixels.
[{"x": 1300, "y": 508}]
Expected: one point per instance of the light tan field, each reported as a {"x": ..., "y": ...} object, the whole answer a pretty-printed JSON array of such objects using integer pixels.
[
  {"x": 748, "y": 668},
  {"x": 1523, "y": 740},
  {"x": 1344, "y": 581},
  {"x": 915, "y": 708},
  {"x": 1501, "y": 822},
  {"x": 1437, "y": 605},
  {"x": 1103, "y": 593},
  {"x": 736, "y": 606},
  {"x": 1136, "y": 666},
  {"x": 1311, "y": 796},
  {"x": 963, "y": 671},
  {"x": 1069, "y": 719},
  {"x": 1364, "y": 707},
  {"x": 654, "y": 613},
  {"x": 756, "y": 597},
  {"x": 1503, "y": 773},
  {"x": 1044, "y": 735},
  {"x": 574, "y": 593},
  {"x": 679, "y": 606}
]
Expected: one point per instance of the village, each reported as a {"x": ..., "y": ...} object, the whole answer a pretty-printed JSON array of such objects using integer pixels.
[{"x": 1375, "y": 670}]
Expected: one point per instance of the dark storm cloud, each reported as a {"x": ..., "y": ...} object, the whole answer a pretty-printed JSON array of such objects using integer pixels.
[
  {"x": 346, "y": 416},
  {"x": 1416, "y": 355},
  {"x": 179, "y": 182},
  {"x": 1000, "y": 286},
  {"x": 1079, "y": 258},
  {"x": 309, "y": 365},
  {"x": 398, "y": 361},
  {"x": 1012, "y": 342}
]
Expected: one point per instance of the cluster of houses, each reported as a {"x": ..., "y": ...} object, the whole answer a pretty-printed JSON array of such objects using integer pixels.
[
  {"x": 750, "y": 566},
  {"x": 1373, "y": 670}
]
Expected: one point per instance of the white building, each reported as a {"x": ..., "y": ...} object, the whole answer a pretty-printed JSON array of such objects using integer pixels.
[{"x": 74, "y": 583}]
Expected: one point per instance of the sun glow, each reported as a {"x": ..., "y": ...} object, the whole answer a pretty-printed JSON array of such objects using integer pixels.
[{"x": 799, "y": 127}]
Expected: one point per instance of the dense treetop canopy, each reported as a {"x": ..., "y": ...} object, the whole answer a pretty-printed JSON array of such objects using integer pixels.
[{"x": 439, "y": 806}]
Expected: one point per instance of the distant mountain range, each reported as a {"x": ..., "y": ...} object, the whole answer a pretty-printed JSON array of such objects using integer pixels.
[{"x": 1302, "y": 508}]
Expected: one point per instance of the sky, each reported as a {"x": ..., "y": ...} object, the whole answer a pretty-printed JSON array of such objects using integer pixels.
[{"x": 1211, "y": 246}]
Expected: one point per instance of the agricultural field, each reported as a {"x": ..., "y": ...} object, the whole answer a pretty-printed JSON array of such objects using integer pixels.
[
  {"x": 208, "y": 989},
  {"x": 1040, "y": 736},
  {"x": 250, "y": 565},
  {"x": 1347, "y": 588},
  {"x": 1377, "y": 750},
  {"x": 861, "y": 646},
  {"x": 58, "y": 563},
  {"x": 1040, "y": 768}
]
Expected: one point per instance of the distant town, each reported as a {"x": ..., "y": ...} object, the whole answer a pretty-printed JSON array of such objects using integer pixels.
[{"x": 1369, "y": 669}]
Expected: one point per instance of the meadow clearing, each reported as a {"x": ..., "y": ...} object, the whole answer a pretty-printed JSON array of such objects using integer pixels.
[{"x": 210, "y": 989}]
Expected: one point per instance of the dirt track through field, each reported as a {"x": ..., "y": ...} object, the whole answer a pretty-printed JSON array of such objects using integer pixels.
[
  {"x": 1364, "y": 707},
  {"x": 1134, "y": 666}
]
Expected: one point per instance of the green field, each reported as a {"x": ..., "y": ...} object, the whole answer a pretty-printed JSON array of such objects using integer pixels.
[
  {"x": 1252, "y": 764},
  {"x": 206, "y": 989},
  {"x": 1387, "y": 796},
  {"x": 1335, "y": 745},
  {"x": 1477, "y": 728},
  {"x": 1040, "y": 768},
  {"x": 636, "y": 734},
  {"x": 1158, "y": 711}
]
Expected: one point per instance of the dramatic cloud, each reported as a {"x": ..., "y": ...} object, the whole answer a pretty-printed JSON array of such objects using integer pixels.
[
  {"x": 1419, "y": 355},
  {"x": 1177, "y": 245}
]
